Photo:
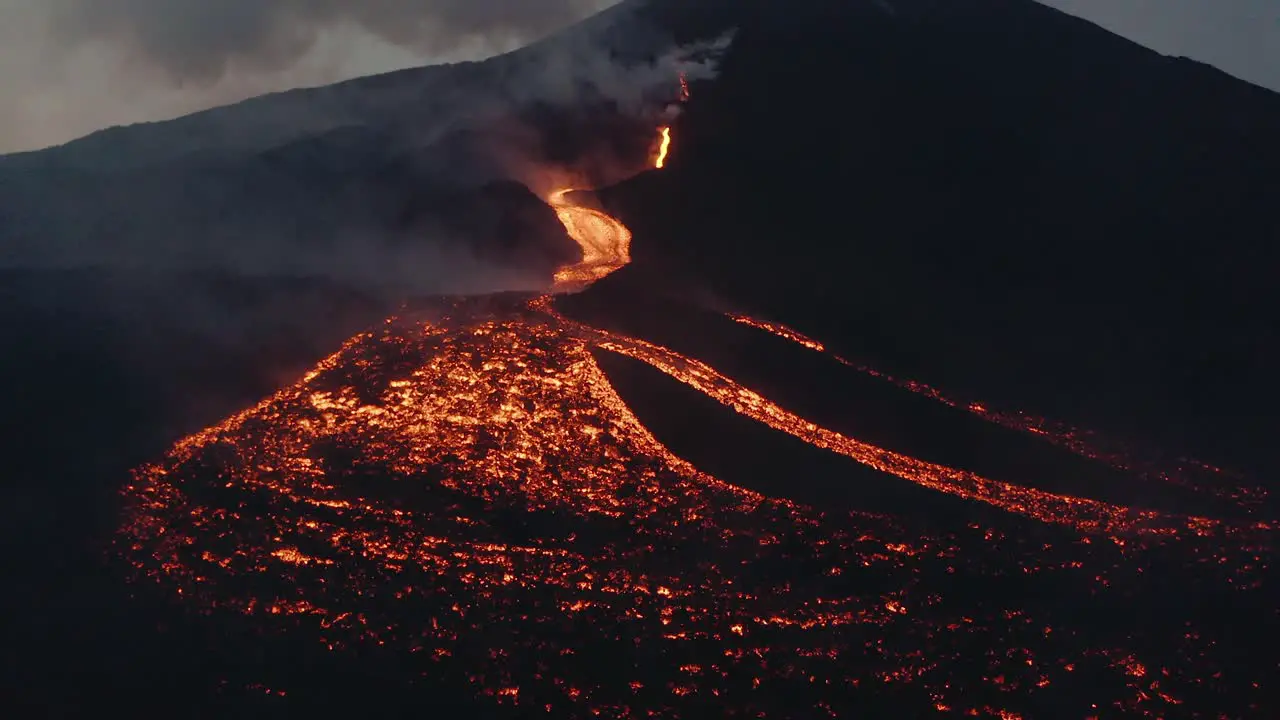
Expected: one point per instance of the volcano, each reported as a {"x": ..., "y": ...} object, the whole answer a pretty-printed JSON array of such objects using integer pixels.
[{"x": 799, "y": 430}]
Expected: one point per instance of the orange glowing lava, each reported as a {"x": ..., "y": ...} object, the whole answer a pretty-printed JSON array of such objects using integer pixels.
[
  {"x": 1082, "y": 514},
  {"x": 1185, "y": 472},
  {"x": 664, "y": 148},
  {"x": 605, "y": 243},
  {"x": 467, "y": 489}
]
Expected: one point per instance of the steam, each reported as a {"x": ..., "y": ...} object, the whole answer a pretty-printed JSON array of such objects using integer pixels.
[
  {"x": 581, "y": 69},
  {"x": 559, "y": 72}
]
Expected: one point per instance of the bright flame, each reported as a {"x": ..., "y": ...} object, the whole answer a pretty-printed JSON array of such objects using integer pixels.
[{"x": 661, "y": 162}]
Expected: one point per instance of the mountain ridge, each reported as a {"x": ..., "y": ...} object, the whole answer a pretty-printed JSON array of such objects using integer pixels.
[
  {"x": 1087, "y": 230},
  {"x": 330, "y": 96},
  {"x": 295, "y": 114}
]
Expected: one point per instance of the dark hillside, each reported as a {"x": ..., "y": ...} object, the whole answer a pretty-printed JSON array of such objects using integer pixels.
[{"x": 992, "y": 195}]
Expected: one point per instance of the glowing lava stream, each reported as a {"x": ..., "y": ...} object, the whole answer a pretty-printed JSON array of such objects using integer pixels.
[
  {"x": 1189, "y": 473},
  {"x": 478, "y": 477},
  {"x": 1083, "y": 514},
  {"x": 663, "y": 149},
  {"x": 605, "y": 242}
]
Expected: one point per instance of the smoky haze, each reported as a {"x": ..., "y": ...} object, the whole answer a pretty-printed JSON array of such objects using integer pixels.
[
  {"x": 70, "y": 67},
  {"x": 366, "y": 183},
  {"x": 197, "y": 40},
  {"x": 263, "y": 235}
]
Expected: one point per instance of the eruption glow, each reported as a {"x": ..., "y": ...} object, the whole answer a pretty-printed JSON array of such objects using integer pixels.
[
  {"x": 664, "y": 148},
  {"x": 472, "y": 480},
  {"x": 605, "y": 243},
  {"x": 1186, "y": 472}
]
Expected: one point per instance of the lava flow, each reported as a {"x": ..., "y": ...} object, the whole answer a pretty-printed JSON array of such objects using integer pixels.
[
  {"x": 605, "y": 243},
  {"x": 663, "y": 149},
  {"x": 1199, "y": 476},
  {"x": 466, "y": 487}
]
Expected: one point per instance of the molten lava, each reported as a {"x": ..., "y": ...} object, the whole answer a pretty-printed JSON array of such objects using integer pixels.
[
  {"x": 663, "y": 148},
  {"x": 1186, "y": 472},
  {"x": 605, "y": 243},
  {"x": 469, "y": 490}
]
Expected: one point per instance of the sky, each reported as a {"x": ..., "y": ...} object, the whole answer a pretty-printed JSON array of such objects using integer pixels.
[{"x": 69, "y": 67}]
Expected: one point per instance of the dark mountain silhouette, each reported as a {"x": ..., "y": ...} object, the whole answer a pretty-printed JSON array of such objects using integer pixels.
[{"x": 991, "y": 195}]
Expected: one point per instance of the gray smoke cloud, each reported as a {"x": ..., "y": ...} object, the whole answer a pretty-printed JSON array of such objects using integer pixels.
[
  {"x": 335, "y": 182},
  {"x": 198, "y": 40},
  {"x": 194, "y": 236},
  {"x": 70, "y": 67}
]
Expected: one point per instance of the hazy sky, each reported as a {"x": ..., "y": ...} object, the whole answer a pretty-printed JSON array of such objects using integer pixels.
[{"x": 68, "y": 67}]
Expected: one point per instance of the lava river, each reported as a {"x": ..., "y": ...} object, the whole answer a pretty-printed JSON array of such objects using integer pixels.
[{"x": 465, "y": 485}]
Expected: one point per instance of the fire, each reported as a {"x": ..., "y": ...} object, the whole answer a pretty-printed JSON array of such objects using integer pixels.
[{"x": 664, "y": 148}]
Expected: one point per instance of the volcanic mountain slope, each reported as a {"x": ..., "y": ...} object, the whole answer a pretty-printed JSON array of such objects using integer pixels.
[
  {"x": 463, "y": 495},
  {"x": 156, "y": 278},
  {"x": 582, "y": 507},
  {"x": 989, "y": 194},
  {"x": 332, "y": 182},
  {"x": 489, "y": 493},
  {"x": 414, "y": 107}
]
